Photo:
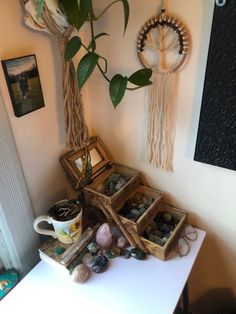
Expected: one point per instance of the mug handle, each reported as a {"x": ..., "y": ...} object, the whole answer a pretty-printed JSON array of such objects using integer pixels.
[{"x": 44, "y": 231}]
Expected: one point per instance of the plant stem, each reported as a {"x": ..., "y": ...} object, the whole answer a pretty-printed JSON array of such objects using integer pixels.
[
  {"x": 91, "y": 19},
  {"x": 94, "y": 48},
  {"x": 84, "y": 47},
  {"x": 105, "y": 61},
  {"x": 104, "y": 11},
  {"x": 103, "y": 73},
  {"x": 92, "y": 34},
  {"x": 134, "y": 88}
]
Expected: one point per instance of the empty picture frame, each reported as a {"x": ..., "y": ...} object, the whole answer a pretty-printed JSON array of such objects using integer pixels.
[{"x": 23, "y": 83}]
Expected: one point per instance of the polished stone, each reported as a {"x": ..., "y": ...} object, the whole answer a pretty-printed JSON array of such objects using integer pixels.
[
  {"x": 59, "y": 250},
  {"x": 121, "y": 242},
  {"x": 87, "y": 259},
  {"x": 100, "y": 264},
  {"x": 80, "y": 273},
  {"x": 125, "y": 254},
  {"x": 104, "y": 236},
  {"x": 110, "y": 254},
  {"x": 138, "y": 253},
  {"x": 92, "y": 248}
]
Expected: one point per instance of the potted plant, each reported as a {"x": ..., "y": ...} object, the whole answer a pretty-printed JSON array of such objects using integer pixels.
[{"x": 78, "y": 13}]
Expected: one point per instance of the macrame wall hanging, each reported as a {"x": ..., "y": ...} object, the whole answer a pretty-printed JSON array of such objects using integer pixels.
[
  {"x": 54, "y": 22},
  {"x": 163, "y": 44}
]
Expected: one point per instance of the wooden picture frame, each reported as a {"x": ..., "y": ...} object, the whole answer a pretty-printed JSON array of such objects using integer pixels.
[
  {"x": 72, "y": 162},
  {"x": 23, "y": 83}
]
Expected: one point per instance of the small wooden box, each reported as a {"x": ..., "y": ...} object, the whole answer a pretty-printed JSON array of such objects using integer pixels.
[
  {"x": 102, "y": 167},
  {"x": 93, "y": 192},
  {"x": 141, "y": 223},
  {"x": 159, "y": 251}
]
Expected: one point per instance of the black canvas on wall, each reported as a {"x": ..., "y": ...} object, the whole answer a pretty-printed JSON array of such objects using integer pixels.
[{"x": 216, "y": 139}]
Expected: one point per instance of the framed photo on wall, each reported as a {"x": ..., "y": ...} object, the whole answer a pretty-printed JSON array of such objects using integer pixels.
[{"x": 23, "y": 83}]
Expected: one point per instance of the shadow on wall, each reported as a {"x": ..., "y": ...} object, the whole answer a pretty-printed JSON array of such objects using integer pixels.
[{"x": 215, "y": 301}]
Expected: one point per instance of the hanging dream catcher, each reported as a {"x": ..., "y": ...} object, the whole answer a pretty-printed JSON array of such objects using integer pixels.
[{"x": 163, "y": 45}]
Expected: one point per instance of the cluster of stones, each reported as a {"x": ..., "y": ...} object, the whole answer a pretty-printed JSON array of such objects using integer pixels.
[
  {"x": 65, "y": 210},
  {"x": 98, "y": 252},
  {"x": 114, "y": 183},
  {"x": 160, "y": 229},
  {"x": 136, "y": 206},
  {"x": 99, "y": 258},
  {"x": 164, "y": 20}
]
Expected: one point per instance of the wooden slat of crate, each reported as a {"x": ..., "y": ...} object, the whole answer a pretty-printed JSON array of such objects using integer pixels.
[
  {"x": 139, "y": 225},
  {"x": 159, "y": 251}
]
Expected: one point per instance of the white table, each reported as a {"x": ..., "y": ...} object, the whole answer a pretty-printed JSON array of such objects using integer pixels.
[{"x": 127, "y": 287}]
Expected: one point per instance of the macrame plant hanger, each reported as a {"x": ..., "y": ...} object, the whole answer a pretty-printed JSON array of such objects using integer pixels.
[
  {"x": 54, "y": 22},
  {"x": 165, "y": 40}
]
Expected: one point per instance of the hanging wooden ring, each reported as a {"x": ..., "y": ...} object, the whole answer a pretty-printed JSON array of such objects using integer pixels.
[{"x": 173, "y": 25}]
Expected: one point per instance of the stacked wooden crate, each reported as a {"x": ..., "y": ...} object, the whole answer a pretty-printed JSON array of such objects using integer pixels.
[{"x": 111, "y": 205}]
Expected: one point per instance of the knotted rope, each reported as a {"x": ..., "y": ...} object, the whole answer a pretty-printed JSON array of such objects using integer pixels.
[
  {"x": 75, "y": 126},
  {"x": 161, "y": 126}
]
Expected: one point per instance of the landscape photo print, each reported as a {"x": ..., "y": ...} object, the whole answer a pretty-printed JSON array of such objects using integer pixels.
[{"x": 23, "y": 84}]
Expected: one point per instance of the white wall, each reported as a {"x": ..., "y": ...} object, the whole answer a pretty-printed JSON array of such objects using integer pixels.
[
  {"x": 39, "y": 135},
  {"x": 206, "y": 192}
]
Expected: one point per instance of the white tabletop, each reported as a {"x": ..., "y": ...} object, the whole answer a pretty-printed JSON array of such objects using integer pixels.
[{"x": 129, "y": 286}]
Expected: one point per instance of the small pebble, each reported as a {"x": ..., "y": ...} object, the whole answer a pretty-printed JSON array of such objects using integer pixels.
[
  {"x": 125, "y": 254},
  {"x": 113, "y": 252},
  {"x": 80, "y": 273},
  {"x": 101, "y": 252},
  {"x": 59, "y": 250},
  {"x": 167, "y": 217},
  {"x": 100, "y": 264},
  {"x": 134, "y": 212},
  {"x": 116, "y": 250},
  {"x": 87, "y": 259},
  {"x": 142, "y": 210},
  {"x": 138, "y": 253},
  {"x": 121, "y": 242},
  {"x": 110, "y": 254},
  {"x": 92, "y": 248}
]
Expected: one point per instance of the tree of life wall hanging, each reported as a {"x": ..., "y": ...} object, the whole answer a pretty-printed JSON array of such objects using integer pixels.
[{"x": 162, "y": 45}]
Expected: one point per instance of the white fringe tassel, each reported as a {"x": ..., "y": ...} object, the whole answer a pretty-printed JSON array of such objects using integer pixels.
[{"x": 161, "y": 116}]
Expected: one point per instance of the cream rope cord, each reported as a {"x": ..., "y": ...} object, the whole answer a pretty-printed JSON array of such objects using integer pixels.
[
  {"x": 162, "y": 34},
  {"x": 53, "y": 22}
]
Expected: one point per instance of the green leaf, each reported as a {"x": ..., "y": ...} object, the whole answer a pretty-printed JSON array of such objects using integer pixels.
[
  {"x": 126, "y": 13},
  {"x": 117, "y": 88},
  {"x": 72, "y": 47},
  {"x": 86, "y": 9},
  {"x": 86, "y": 67},
  {"x": 72, "y": 11},
  {"x": 93, "y": 41},
  {"x": 141, "y": 77},
  {"x": 40, "y": 4}
]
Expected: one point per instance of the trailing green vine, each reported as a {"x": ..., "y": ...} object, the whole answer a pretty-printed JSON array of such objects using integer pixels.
[{"x": 79, "y": 12}]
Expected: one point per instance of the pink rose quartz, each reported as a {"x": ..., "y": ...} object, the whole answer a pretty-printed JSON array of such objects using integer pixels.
[{"x": 104, "y": 236}]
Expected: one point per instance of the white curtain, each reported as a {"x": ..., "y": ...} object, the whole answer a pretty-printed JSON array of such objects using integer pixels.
[
  {"x": 1, "y": 263},
  {"x": 5, "y": 257},
  {"x": 18, "y": 240}
]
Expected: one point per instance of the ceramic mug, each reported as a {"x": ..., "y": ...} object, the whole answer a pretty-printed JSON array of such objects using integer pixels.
[{"x": 65, "y": 231}]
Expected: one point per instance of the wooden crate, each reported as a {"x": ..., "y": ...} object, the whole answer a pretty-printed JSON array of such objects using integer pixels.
[
  {"x": 94, "y": 194},
  {"x": 159, "y": 251},
  {"x": 142, "y": 222}
]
